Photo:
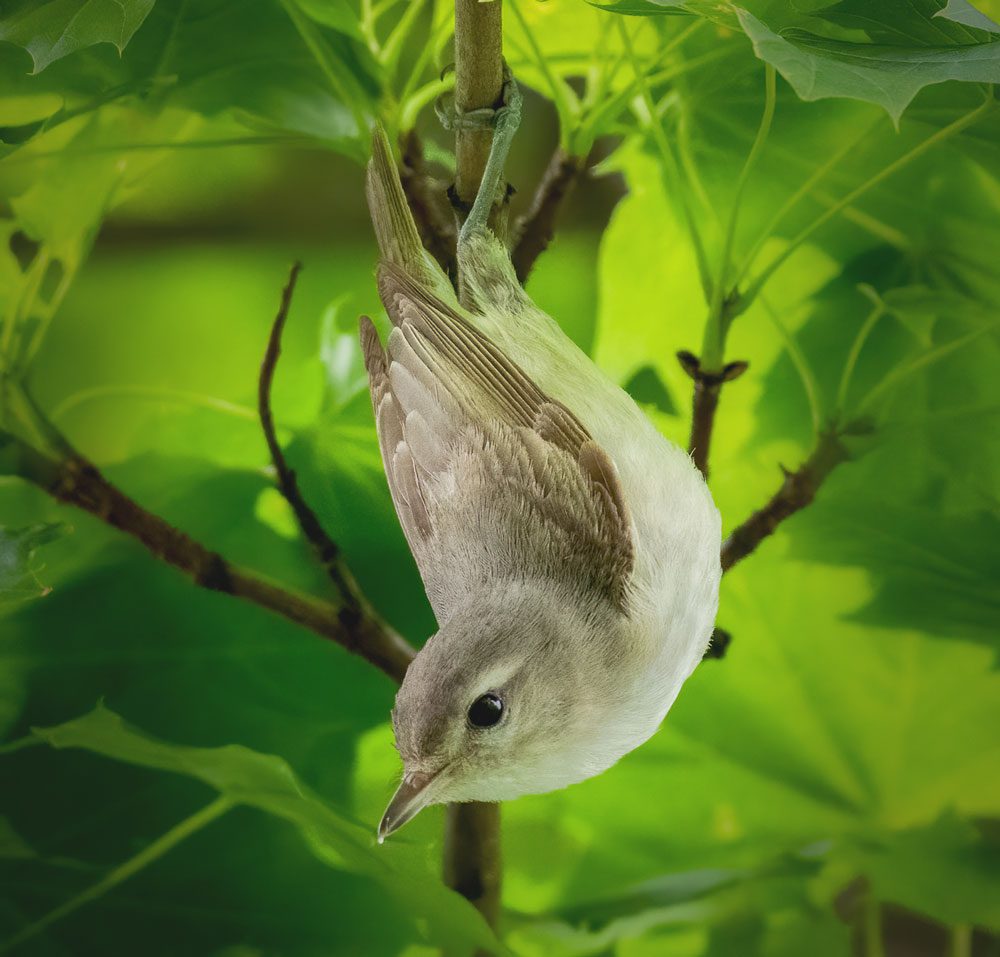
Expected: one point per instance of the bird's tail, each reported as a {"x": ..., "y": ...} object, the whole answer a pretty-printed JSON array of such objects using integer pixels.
[{"x": 398, "y": 240}]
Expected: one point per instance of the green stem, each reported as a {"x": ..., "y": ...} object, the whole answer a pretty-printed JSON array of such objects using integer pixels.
[
  {"x": 123, "y": 872},
  {"x": 561, "y": 92},
  {"x": 801, "y": 364},
  {"x": 933, "y": 140},
  {"x": 393, "y": 45},
  {"x": 819, "y": 174},
  {"x": 314, "y": 42},
  {"x": 921, "y": 362},
  {"x": 960, "y": 944},
  {"x": 852, "y": 357},
  {"x": 669, "y": 163},
  {"x": 873, "y": 928},
  {"x": 713, "y": 346}
]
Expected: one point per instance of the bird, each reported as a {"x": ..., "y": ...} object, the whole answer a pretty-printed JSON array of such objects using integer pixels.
[{"x": 569, "y": 551}]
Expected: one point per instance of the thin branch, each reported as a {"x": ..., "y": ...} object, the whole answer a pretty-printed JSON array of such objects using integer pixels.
[
  {"x": 707, "y": 388},
  {"x": 78, "y": 482},
  {"x": 798, "y": 489},
  {"x": 427, "y": 199},
  {"x": 535, "y": 229},
  {"x": 326, "y": 549}
]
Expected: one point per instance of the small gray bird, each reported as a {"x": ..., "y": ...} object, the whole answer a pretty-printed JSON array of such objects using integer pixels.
[{"x": 570, "y": 552}]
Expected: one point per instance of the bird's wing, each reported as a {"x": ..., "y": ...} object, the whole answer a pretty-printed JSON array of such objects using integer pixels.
[{"x": 488, "y": 474}]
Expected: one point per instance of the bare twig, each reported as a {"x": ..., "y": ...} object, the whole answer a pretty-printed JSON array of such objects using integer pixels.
[
  {"x": 427, "y": 199},
  {"x": 707, "y": 387},
  {"x": 797, "y": 490},
  {"x": 326, "y": 549},
  {"x": 535, "y": 229}
]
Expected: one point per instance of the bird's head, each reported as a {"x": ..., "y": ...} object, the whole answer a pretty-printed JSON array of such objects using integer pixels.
[{"x": 496, "y": 704}]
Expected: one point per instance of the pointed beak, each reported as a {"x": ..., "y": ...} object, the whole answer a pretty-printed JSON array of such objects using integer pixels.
[{"x": 411, "y": 797}]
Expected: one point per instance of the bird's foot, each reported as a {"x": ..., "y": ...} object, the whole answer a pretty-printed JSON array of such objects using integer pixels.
[{"x": 503, "y": 121}]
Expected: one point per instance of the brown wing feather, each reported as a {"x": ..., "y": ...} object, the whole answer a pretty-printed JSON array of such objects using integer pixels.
[{"x": 445, "y": 374}]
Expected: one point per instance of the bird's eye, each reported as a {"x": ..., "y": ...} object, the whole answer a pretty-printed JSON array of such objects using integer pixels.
[{"x": 485, "y": 711}]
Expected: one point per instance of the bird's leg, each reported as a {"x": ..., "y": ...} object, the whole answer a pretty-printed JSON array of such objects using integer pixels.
[{"x": 504, "y": 121}]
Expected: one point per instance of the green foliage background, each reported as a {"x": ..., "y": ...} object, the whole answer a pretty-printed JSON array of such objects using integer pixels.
[{"x": 161, "y": 163}]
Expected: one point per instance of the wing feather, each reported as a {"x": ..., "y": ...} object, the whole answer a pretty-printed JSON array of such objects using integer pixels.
[{"x": 489, "y": 474}]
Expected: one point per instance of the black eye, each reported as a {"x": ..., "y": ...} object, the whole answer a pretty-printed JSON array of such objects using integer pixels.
[{"x": 485, "y": 711}]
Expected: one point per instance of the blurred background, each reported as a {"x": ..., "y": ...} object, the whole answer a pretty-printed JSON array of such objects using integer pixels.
[{"x": 831, "y": 786}]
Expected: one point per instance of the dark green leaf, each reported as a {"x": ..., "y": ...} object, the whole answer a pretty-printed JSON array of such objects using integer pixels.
[
  {"x": 889, "y": 76},
  {"x": 267, "y": 782},
  {"x": 55, "y": 28}
]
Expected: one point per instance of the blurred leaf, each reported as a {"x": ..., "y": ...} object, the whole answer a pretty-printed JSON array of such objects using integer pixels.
[
  {"x": 54, "y": 28},
  {"x": 947, "y": 870},
  {"x": 934, "y": 572},
  {"x": 12, "y": 845},
  {"x": 267, "y": 783},
  {"x": 19, "y": 568}
]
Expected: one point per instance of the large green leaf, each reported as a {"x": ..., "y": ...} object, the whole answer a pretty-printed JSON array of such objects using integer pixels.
[
  {"x": 55, "y": 28},
  {"x": 883, "y": 53},
  {"x": 267, "y": 782},
  {"x": 889, "y": 76}
]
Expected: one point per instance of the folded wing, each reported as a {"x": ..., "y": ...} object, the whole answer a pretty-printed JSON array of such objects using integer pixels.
[{"x": 489, "y": 475}]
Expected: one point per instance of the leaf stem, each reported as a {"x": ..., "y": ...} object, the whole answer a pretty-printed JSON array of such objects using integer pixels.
[
  {"x": 915, "y": 152},
  {"x": 819, "y": 174},
  {"x": 713, "y": 345},
  {"x": 860, "y": 339},
  {"x": 667, "y": 156},
  {"x": 801, "y": 364},
  {"x": 148, "y": 855}
]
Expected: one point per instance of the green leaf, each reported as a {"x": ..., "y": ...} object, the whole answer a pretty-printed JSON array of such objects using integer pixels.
[
  {"x": 889, "y": 76},
  {"x": 949, "y": 870},
  {"x": 961, "y": 11},
  {"x": 56, "y": 28},
  {"x": 267, "y": 783},
  {"x": 933, "y": 571},
  {"x": 19, "y": 567}
]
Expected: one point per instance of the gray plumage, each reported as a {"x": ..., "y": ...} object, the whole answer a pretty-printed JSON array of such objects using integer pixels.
[{"x": 570, "y": 553}]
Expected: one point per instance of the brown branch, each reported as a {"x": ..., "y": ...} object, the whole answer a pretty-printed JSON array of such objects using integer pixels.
[
  {"x": 707, "y": 388},
  {"x": 535, "y": 229},
  {"x": 428, "y": 202},
  {"x": 472, "y": 860},
  {"x": 76, "y": 481},
  {"x": 326, "y": 550},
  {"x": 798, "y": 489}
]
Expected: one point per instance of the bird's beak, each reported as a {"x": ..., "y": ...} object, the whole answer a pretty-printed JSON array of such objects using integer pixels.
[{"x": 411, "y": 797}]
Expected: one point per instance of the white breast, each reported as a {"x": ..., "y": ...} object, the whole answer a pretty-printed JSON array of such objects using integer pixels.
[{"x": 677, "y": 528}]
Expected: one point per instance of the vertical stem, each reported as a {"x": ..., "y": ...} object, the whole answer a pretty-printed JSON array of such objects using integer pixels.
[
  {"x": 703, "y": 406},
  {"x": 472, "y": 855},
  {"x": 472, "y": 831},
  {"x": 478, "y": 85}
]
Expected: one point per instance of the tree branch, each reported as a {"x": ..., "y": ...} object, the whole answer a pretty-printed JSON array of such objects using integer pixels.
[
  {"x": 76, "y": 481},
  {"x": 705, "y": 401},
  {"x": 427, "y": 199},
  {"x": 797, "y": 490},
  {"x": 535, "y": 229},
  {"x": 326, "y": 550}
]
